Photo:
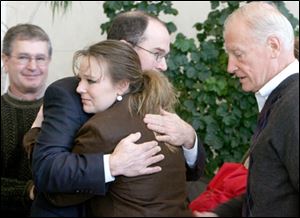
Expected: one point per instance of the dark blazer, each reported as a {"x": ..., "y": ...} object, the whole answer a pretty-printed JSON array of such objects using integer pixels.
[
  {"x": 273, "y": 179},
  {"x": 55, "y": 169},
  {"x": 161, "y": 194}
]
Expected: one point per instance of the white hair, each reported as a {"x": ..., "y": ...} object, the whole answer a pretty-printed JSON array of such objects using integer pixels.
[{"x": 264, "y": 20}]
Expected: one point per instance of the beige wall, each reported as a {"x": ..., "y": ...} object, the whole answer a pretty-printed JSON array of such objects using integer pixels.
[{"x": 80, "y": 26}]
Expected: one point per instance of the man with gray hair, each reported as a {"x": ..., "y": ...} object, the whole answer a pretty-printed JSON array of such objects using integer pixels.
[{"x": 260, "y": 44}]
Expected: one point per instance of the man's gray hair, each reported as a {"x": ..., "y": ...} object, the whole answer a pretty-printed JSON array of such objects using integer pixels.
[{"x": 264, "y": 20}]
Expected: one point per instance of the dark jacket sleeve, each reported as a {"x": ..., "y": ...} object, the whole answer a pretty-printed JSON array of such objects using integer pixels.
[
  {"x": 55, "y": 168},
  {"x": 231, "y": 208},
  {"x": 195, "y": 172},
  {"x": 56, "y": 199}
]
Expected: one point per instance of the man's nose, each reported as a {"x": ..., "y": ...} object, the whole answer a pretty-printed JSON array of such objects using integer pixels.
[
  {"x": 162, "y": 65},
  {"x": 231, "y": 66},
  {"x": 32, "y": 64}
]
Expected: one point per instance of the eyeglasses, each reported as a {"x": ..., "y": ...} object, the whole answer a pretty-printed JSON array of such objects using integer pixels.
[
  {"x": 40, "y": 60},
  {"x": 158, "y": 56}
]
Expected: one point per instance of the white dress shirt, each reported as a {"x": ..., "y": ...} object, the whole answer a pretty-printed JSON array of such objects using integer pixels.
[{"x": 263, "y": 94}]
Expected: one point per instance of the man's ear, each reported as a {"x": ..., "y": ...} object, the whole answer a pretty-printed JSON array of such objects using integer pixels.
[
  {"x": 4, "y": 60},
  {"x": 274, "y": 45},
  {"x": 122, "y": 40}
]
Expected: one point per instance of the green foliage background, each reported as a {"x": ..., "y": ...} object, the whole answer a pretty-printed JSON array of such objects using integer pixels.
[{"x": 223, "y": 116}]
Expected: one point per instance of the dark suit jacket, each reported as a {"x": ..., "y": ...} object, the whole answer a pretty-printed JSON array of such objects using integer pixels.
[
  {"x": 273, "y": 179},
  {"x": 161, "y": 194},
  {"x": 55, "y": 169}
]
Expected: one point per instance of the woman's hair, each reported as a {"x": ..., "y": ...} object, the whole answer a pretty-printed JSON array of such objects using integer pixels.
[
  {"x": 24, "y": 32},
  {"x": 157, "y": 92},
  {"x": 264, "y": 20},
  {"x": 148, "y": 91}
]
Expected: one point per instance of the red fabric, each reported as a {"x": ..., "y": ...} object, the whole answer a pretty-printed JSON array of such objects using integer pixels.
[{"x": 229, "y": 182}]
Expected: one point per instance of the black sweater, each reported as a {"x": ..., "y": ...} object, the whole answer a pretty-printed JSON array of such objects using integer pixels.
[{"x": 16, "y": 119}]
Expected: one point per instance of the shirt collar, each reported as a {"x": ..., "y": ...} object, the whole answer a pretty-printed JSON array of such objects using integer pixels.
[{"x": 263, "y": 94}]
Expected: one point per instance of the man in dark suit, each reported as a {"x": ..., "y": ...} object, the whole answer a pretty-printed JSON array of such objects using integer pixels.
[{"x": 55, "y": 169}]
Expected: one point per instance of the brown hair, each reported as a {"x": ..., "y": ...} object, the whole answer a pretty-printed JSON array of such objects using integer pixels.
[
  {"x": 148, "y": 91},
  {"x": 24, "y": 32}
]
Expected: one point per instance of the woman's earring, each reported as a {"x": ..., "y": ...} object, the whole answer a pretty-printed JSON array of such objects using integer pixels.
[{"x": 119, "y": 97}]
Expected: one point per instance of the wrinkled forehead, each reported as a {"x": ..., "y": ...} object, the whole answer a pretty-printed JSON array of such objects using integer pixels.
[
  {"x": 31, "y": 47},
  {"x": 236, "y": 35}
]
